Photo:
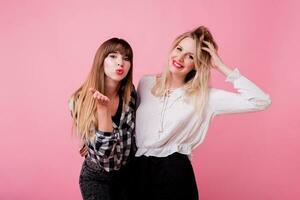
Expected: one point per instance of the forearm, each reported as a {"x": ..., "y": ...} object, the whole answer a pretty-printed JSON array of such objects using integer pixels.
[
  {"x": 224, "y": 69},
  {"x": 104, "y": 120},
  {"x": 105, "y": 144},
  {"x": 249, "y": 97}
]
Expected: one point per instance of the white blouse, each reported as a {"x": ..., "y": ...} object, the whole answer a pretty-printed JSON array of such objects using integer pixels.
[{"x": 165, "y": 125}]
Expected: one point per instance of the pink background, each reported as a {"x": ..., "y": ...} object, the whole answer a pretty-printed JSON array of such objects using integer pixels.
[{"x": 46, "y": 51}]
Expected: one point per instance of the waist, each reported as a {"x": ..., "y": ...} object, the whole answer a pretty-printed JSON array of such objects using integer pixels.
[
  {"x": 164, "y": 151},
  {"x": 97, "y": 167},
  {"x": 174, "y": 157}
]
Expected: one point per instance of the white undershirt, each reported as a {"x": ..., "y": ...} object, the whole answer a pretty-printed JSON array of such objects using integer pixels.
[{"x": 167, "y": 125}]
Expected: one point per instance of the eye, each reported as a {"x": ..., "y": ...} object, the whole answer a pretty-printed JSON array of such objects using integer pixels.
[
  {"x": 112, "y": 55},
  {"x": 178, "y": 48},
  {"x": 126, "y": 58},
  {"x": 191, "y": 57}
]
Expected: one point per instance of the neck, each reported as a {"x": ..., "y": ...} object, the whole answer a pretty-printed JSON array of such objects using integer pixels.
[
  {"x": 175, "y": 81},
  {"x": 111, "y": 88}
]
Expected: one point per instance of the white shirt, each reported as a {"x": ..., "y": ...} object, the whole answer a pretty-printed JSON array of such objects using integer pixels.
[{"x": 168, "y": 125}]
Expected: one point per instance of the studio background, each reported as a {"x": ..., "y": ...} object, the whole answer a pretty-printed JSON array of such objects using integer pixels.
[{"x": 46, "y": 52}]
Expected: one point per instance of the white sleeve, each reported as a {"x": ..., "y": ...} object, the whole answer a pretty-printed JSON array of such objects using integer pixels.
[
  {"x": 143, "y": 85},
  {"x": 248, "y": 97},
  {"x": 71, "y": 106}
]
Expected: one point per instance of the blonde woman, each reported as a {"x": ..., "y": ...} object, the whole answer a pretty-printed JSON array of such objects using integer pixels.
[
  {"x": 176, "y": 109},
  {"x": 103, "y": 111}
]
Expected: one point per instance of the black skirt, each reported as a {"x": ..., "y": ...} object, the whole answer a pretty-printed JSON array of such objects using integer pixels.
[{"x": 163, "y": 178}]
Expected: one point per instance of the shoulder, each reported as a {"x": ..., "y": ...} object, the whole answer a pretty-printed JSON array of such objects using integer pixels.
[{"x": 148, "y": 78}]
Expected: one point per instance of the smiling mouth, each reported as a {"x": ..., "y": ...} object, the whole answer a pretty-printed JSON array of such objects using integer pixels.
[{"x": 177, "y": 64}]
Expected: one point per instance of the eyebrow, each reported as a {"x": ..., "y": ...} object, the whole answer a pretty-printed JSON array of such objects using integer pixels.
[
  {"x": 188, "y": 51},
  {"x": 123, "y": 55}
]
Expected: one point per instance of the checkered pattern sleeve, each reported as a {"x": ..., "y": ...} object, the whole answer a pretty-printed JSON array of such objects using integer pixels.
[
  {"x": 111, "y": 150},
  {"x": 104, "y": 145}
]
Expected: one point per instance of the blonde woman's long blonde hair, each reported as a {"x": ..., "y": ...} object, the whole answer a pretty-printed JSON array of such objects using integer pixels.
[
  {"x": 84, "y": 109},
  {"x": 197, "y": 80}
]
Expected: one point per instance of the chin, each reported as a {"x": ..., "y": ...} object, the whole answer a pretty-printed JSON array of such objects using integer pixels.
[{"x": 174, "y": 70}]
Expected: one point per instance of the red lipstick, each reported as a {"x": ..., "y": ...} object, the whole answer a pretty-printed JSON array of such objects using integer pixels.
[{"x": 119, "y": 71}]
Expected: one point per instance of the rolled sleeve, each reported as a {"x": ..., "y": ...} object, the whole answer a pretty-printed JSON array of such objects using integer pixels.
[
  {"x": 105, "y": 144},
  {"x": 249, "y": 97}
]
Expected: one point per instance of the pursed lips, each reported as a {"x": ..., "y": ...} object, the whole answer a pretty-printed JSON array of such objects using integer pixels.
[{"x": 119, "y": 71}]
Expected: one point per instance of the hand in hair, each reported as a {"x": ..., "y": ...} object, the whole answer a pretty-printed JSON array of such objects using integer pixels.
[
  {"x": 215, "y": 59},
  {"x": 101, "y": 98},
  {"x": 83, "y": 151}
]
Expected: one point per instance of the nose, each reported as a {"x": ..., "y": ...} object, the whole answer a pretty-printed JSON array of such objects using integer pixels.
[
  {"x": 180, "y": 57},
  {"x": 120, "y": 62}
]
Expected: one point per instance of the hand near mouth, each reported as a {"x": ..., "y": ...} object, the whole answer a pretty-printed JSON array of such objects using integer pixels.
[{"x": 99, "y": 97}]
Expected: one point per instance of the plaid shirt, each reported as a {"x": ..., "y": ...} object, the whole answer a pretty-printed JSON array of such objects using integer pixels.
[{"x": 111, "y": 150}]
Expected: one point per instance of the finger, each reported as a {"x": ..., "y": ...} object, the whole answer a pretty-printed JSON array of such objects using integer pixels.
[
  {"x": 93, "y": 90},
  {"x": 83, "y": 154},
  {"x": 102, "y": 98},
  {"x": 99, "y": 96},
  {"x": 210, "y": 45},
  {"x": 82, "y": 149},
  {"x": 206, "y": 49},
  {"x": 95, "y": 95},
  {"x": 85, "y": 151},
  {"x": 106, "y": 99},
  {"x": 207, "y": 43}
]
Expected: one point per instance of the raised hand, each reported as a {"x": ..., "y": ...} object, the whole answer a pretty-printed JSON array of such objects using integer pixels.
[
  {"x": 215, "y": 59},
  {"x": 103, "y": 110},
  {"x": 99, "y": 97}
]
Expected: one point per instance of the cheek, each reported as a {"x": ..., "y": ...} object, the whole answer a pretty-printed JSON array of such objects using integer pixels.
[
  {"x": 172, "y": 55},
  {"x": 127, "y": 66},
  {"x": 108, "y": 67},
  {"x": 170, "y": 58},
  {"x": 190, "y": 64}
]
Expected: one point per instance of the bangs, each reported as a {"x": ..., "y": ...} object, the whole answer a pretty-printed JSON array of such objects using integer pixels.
[{"x": 123, "y": 49}]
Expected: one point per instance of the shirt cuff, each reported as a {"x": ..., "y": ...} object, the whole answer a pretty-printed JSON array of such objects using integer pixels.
[
  {"x": 104, "y": 134},
  {"x": 234, "y": 75}
]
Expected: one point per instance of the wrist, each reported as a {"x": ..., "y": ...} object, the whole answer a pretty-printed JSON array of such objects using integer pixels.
[
  {"x": 224, "y": 69},
  {"x": 103, "y": 112}
]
